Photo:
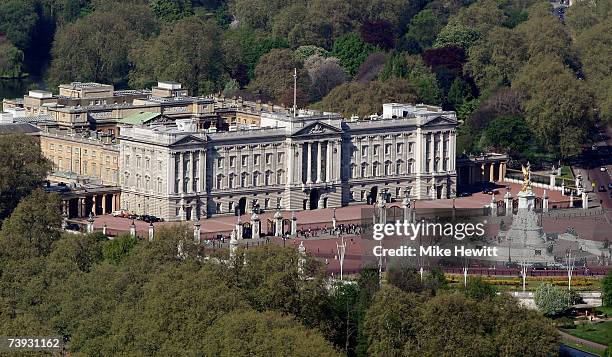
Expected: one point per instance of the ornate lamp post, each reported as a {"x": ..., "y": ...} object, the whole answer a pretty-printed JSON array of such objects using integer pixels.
[{"x": 341, "y": 247}]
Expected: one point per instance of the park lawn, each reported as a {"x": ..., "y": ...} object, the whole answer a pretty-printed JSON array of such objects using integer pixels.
[
  {"x": 597, "y": 332},
  {"x": 566, "y": 173},
  {"x": 605, "y": 310},
  {"x": 583, "y": 348}
]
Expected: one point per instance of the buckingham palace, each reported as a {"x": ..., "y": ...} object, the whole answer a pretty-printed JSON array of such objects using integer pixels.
[{"x": 177, "y": 170}]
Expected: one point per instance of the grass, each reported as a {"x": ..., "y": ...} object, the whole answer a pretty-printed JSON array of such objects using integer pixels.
[
  {"x": 597, "y": 332},
  {"x": 566, "y": 173},
  {"x": 516, "y": 283},
  {"x": 605, "y": 310},
  {"x": 583, "y": 348}
]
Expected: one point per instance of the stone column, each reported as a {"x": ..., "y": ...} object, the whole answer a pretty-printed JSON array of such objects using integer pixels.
[
  {"x": 80, "y": 206},
  {"x": 196, "y": 231},
  {"x": 492, "y": 172},
  {"x": 545, "y": 202},
  {"x": 308, "y": 148},
  {"x": 328, "y": 161},
  {"x": 319, "y": 160},
  {"x": 501, "y": 171},
  {"x": 571, "y": 203},
  {"x": 151, "y": 231},
  {"x": 289, "y": 174},
  {"x": 93, "y": 205},
  {"x": 104, "y": 204},
  {"x": 278, "y": 219},
  {"x": 171, "y": 165},
  {"x": 508, "y": 203},
  {"x": 293, "y": 225},
  {"x": 585, "y": 200},
  {"x": 181, "y": 173},
  {"x": 202, "y": 171},
  {"x": 553, "y": 181},
  {"x": 238, "y": 229},
  {"x": 90, "y": 224},
  {"x": 255, "y": 226},
  {"x": 133, "y": 229}
]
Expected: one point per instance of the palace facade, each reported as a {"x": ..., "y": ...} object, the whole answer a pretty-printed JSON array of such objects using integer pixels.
[{"x": 177, "y": 170}]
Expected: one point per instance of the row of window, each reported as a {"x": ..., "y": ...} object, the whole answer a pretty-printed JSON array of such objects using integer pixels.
[
  {"x": 399, "y": 149},
  {"x": 255, "y": 181},
  {"x": 244, "y": 159},
  {"x": 85, "y": 152}
]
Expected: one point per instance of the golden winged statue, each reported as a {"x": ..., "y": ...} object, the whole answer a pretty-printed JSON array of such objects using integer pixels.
[{"x": 526, "y": 177}]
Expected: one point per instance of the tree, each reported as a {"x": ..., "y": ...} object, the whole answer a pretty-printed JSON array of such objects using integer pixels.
[
  {"x": 371, "y": 67},
  {"x": 32, "y": 227},
  {"x": 11, "y": 60},
  {"x": 22, "y": 169},
  {"x": 423, "y": 28},
  {"x": 478, "y": 289},
  {"x": 94, "y": 48},
  {"x": 351, "y": 51},
  {"x": 304, "y": 52},
  {"x": 117, "y": 249},
  {"x": 171, "y": 10},
  {"x": 405, "y": 277},
  {"x": 17, "y": 21},
  {"x": 325, "y": 74},
  {"x": 459, "y": 93},
  {"x": 416, "y": 72},
  {"x": 194, "y": 44},
  {"x": 561, "y": 121},
  {"x": 507, "y": 133},
  {"x": 387, "y": 324},
  {"x": 552, "y": 300},
  {"x": 256, "y": 14},
  {"x": 457, "y": 35},
  {"x": 263, "y": 333},
  {"x": 495, "y": 60},
  {"x": 585, "y": 15},
  {"x": 274, "y": 74},
  {"x": 364, "y": 99},
  {"x": 378, "y": 33},
  {"x": 606, "y": 289}
]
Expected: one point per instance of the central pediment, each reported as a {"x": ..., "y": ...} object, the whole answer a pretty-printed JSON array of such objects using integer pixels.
[
  {"x": 441, "y": 120},
  {"x": 316, "y": 128},
  {"x": 188, "y": 141}
]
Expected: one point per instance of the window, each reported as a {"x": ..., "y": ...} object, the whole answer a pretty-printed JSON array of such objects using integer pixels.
[
  {"x": 232, "y": 162},
  {"x": 219, "y": 206},
  {"x": 410, "y": 147},
  {"x": 268, "y": 159},
  {"x": 279, "y": 177},
  {"x": 220, "y": 162},
  {"x": 363, "y": 170},
  {"x": 85, "y": 167},
  {"x": 147, "y": 163},
  {"x": 107, "y": 159},
  {"x": 255, "y": 178},
  {"x": 376, "y": 149},
  {"x": 127, "y": 160},
  {"x": 399, "y": 148},
  {"x": 245, "y": 160},
  {"x": 387, "y": 149},
  {"x": 364, "y": 150},
  {"x": 398, "y": 192},
  {"x": 363, "y": 195},
  {"x": 243, "y": 179},
  {"x": 256, "y": 159},
  {"x": 445, "y": 168},
  {"x": 231, "y": 181},
  {"x": 219, "y": 181},
  {"x": 138, "y": 161},
  {"x": 231, "y": 206},
  {"x": 375, "y": 169},
  {"x": 387, "y": 168},
  {"x": 281, "y": 157},
  {"x": 427, "y": 165},
  {"x": 267, "y": 179},
  {"x": 398, "y": 168},
  {"x": 267, "y": 203}
]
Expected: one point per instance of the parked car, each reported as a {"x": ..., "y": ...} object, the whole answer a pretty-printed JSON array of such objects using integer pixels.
[
  {"x": 603, "y": 169},
  {"x": 73, "y": 227},
  {"x": 118, "y": 213}
]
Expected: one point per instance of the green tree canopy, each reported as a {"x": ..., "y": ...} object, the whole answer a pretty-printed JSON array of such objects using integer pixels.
[
  {"x": 274, "y": 75},
  {"x": 552, "y": 300},
  {"x": 22, "y": 169},
  {"x": 351, "y": 50},
  {"x": 195, "y": 48}
]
